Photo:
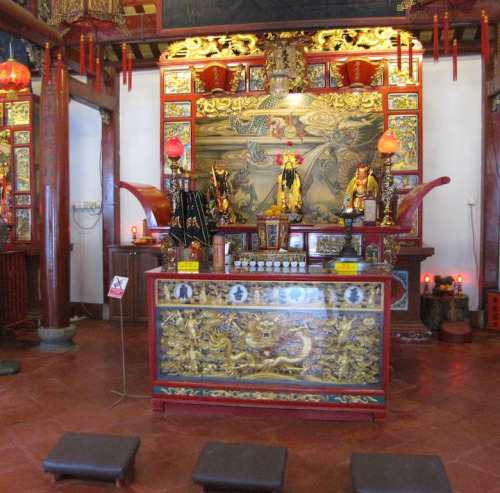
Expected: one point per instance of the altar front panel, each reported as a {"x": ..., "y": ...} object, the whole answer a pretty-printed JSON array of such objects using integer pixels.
[{"x": 282, "y": 343}]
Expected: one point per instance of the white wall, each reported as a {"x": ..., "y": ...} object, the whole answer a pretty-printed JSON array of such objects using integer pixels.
[
  {"x": 85, "y": 186},
  {"x": 139, "y": 144},
  {"x": 452, "y": 147}
]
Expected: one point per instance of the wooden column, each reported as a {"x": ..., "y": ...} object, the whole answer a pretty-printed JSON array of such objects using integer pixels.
[
  {"x": 56, "y": 332},
  {"x": 110, "y": 179},
  {"x": 489, "y": 272}
]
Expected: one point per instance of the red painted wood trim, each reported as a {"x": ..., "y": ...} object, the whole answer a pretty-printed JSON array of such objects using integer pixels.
[{"x": 155, "y": 204}]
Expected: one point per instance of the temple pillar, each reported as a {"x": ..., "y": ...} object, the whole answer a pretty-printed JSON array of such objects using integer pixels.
[{"x": 56, "y": 333}]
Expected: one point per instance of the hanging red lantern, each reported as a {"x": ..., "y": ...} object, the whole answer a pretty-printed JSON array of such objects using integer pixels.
[
  {"x": 14, "y": 76},
  {"x": 174, "y": 148},
  {"x": 446, "y": 30}
]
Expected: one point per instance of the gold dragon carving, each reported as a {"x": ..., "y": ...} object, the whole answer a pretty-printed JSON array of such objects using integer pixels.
[
  {"x": 226, "y": 106},
  {"x": 327, "y": 40}
]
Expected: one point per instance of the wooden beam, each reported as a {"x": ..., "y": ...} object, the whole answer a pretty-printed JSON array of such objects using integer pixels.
[
  {"x": 86, "y": 94},
  {"x": 18, "y": 21}
]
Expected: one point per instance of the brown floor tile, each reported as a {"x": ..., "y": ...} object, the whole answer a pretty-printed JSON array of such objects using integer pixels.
[{"x": 443, "y": 400}]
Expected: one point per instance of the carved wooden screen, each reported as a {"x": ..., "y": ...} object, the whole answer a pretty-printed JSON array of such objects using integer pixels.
[
  {"x": 334, "y": 126},
  {"x": 17, "y": 168}
]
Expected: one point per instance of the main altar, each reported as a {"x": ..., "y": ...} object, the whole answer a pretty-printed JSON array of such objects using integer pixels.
[
  {"x": 309, "y": 341},
  {"x": 303, "y": 152}
]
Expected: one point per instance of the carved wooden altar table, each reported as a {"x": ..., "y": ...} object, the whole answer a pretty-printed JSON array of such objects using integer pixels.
[{"x": 311, "y": 342}]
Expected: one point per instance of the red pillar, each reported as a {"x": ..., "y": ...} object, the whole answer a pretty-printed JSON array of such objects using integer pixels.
[{"x": 56, "y": 332}]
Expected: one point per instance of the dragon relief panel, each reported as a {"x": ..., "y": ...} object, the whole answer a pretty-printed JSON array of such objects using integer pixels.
[{"x": 253, "y": 338}]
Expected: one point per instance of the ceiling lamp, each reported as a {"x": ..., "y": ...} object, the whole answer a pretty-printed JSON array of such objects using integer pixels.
[
  {"x": 14, "y": 76},
  {"x": 88, "y": 15}
]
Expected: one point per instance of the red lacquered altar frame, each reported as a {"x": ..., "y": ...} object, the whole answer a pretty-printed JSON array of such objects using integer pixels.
[{"x": 360, "y": 403}]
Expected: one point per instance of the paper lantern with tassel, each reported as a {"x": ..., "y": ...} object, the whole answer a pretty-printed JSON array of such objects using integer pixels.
[{"x": 14, "y": 76}]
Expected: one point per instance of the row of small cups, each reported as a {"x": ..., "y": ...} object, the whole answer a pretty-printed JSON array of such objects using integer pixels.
[{"x": 269, "y": 263}]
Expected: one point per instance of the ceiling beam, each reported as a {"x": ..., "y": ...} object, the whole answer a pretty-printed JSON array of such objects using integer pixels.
[
  {"x": 86, "y": 94},
  {"x": 18, "y": 21}
]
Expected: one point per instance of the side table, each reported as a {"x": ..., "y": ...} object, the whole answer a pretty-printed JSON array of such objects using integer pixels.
[{"x": 443, "y": 308}]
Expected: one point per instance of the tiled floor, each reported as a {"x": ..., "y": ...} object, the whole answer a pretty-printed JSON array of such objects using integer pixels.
[{"x": 445, "y": 400}]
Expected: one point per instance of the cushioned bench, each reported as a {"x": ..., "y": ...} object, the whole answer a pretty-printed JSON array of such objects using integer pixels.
[
  {"x": 398, "y": 473},
  {"x": 240, "y": 467},
  {"x": 107, "y": 457}
]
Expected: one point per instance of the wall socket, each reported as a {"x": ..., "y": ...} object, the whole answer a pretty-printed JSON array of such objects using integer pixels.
[
  {"x": 471, "y": 202},
  {"x": 89, "y": 205}
]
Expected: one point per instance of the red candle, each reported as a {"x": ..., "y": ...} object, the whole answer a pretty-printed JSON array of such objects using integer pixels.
[
  {"x": 82, "y": 54},
  {"x": 46, "y": 63},
  {"x": 446, "y": 44},
  {"x": 98, "y": 84},
  {"x": 124, "y": 63},
  {"x": 410, "y": 58},
  {"x": 399, "y": 49},
  {"x": 455, "y": 59},
  {"x": 91, "y": 53},
  {"x": 129, "y": 71}
]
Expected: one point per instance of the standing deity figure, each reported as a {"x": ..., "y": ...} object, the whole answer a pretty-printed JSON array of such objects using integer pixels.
[
  {"x": 362, "y": 185},
  {"x": 289, "y": 196},
  {"x": 222, "y": 190}
]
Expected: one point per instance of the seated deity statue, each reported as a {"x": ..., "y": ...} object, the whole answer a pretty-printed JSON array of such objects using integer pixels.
[{"x": 362, "y": 185}]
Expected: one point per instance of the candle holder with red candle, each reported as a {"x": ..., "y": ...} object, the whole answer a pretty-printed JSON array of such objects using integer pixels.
[
  {"x": 427, "y": 280},
  {"x": 174, "y": 150},
  {"x": 459, "y": 284},
  {"x": 388, "y": 145}
]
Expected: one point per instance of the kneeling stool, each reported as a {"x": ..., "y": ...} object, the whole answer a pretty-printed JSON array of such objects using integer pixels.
[
  {"x": 107, "y": 457},
  {"x": 240, "y": 467},
  {"x": 398, "y": 473}
]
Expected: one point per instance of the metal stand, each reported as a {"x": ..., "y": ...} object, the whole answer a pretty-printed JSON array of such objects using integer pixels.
[{"x": 124, "y": 393}]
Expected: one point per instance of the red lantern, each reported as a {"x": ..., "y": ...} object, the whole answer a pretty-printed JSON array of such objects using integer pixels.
[
  {"x": 388, "y": 143},
  {"x": 174, "y": 148},
  {"x": 14, "y": 76}
]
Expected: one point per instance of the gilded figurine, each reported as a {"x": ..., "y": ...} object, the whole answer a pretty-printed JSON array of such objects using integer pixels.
[
  {"x": 362, "y": 185},
  {"x": 168, "y": 254},
  {"x": 289, "y": 196},
  {"x": 220, "y": 193}
]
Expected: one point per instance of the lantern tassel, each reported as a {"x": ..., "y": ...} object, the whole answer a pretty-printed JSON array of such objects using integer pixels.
[
  {"x": 436, "y": 39},
  {"x": 398, "y": 45},
  {"x": 46, "y": 63},
  {"x": 98, "y": 84},
  {"x": 124, "y": 63},
  {"x": 82, "y": 54},
  {"x": 129, "y": 70},
  {"x": 446, "y": 31},
  {"x": 91, "y": 54},
  {"x": 59, "y": 72},
  {"x": 410, "y": 57},
  {"x": 485, "y": 39},
  {"x": 455, "y": 59}
]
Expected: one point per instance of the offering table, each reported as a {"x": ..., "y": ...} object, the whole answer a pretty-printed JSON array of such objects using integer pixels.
[{"x": 307, "y": 340}]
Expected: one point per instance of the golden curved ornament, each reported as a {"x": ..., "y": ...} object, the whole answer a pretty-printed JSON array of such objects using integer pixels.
[
  {"x": 353, "y": 101},
  {"x": 221, "y": 107}
]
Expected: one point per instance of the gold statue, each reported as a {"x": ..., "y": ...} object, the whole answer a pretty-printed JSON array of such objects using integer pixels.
[
  {"x": 289, "y": 196},
  {"x": 222, "y": 190},
  {"x": 362, "y": 185}
]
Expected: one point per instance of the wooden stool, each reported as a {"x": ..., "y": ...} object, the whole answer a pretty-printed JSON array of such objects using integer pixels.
[
  {"x": 397, "y": 473},
  {"x": 240, "y": 467},
  {"x": 458, "y": 332},
  {"x": 89, "y": 455}
]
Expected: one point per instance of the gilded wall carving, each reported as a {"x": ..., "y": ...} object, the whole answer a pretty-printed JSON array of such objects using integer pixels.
[{"x": 305, "y": 333}]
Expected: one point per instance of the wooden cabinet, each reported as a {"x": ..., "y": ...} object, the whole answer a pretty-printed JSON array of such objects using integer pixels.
[
  {"x": 131, "y": 261},
  {"x": 13, "y": 289}
]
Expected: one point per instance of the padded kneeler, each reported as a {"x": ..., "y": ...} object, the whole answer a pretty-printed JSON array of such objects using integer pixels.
[
  {"x": 107, "y": 457},
  {"x": 398, "y": 473},
  {"x": 240, "y": 467}
]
